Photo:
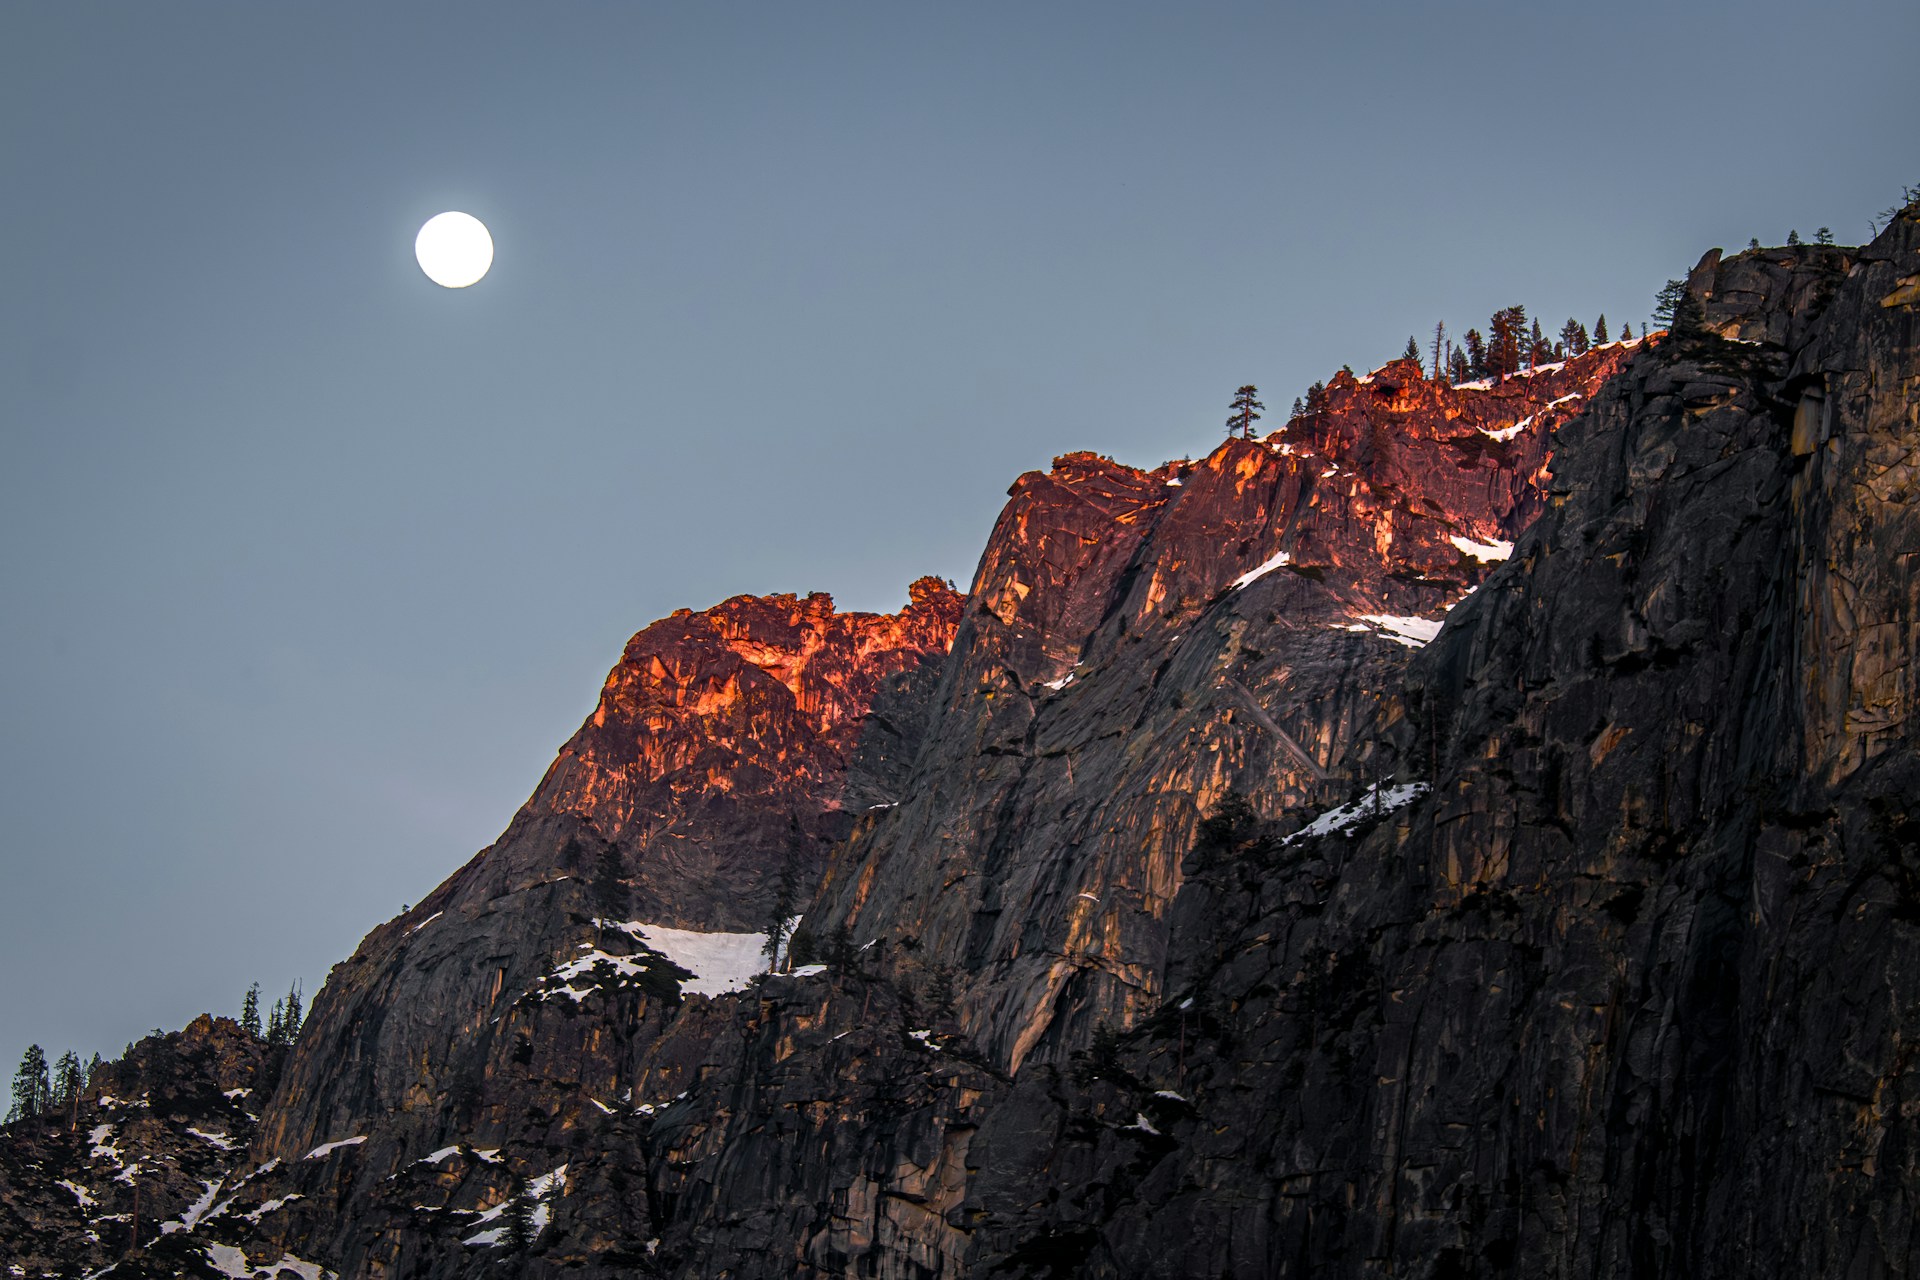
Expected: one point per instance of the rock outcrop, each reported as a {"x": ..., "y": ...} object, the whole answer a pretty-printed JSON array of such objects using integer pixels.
[{"x": 1469, "y": 831}]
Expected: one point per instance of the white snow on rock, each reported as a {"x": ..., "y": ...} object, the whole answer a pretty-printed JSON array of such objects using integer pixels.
[
  {"x": 1357, "y": 811},
  {"x": 1484, "y": 551},
  {"x": 720, "y": 962},
  {"x": 80, "y": 1193},
  {"x": 233, "y": 1095},
  {"x": 254, "y": 1215},
  {"x": 219, "y": 1140},
  {"x": 1058, "y": 685},
  {"x": 537, "y": 1191},
  {"x": 424, "y": 923},
  {"x": 1508, "y": 433},
  {"x": 438, "y": 1156},
  {"x": 1280, "y": 560},
  {"x": 1410, "y": 632},
  {"x": 1143, "y": 1124},
  {"x": 103, "y": 1146},
  {"x": 326, "y": 1149},
  {"x": 229, "y": 1261}
]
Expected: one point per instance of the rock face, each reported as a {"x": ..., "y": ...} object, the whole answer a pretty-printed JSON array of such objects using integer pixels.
[{"x": 1580, "y": 941}]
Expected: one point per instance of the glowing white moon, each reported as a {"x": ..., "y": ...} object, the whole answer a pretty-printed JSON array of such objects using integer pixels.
[{"x": 454, "y": 249}]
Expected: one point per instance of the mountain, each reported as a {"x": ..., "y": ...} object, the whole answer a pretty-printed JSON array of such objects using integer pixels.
[{"x": 1468, "y": 831}]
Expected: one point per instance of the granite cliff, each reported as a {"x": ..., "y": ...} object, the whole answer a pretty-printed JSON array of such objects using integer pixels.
[{"x": 1469, "y": 831}]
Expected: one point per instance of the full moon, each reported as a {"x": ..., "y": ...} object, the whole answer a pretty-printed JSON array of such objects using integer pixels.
[{"x": 454, "y": 249}]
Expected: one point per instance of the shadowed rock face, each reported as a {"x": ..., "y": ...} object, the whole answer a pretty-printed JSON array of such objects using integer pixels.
[{"x": 1615, "y": 976}]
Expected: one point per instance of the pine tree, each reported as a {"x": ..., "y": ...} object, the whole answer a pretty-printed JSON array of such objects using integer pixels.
[
  {"x": 69, "y": 1082},
  {"x": 290, "y": 1025},
  {"x": 1439, "y": 365},
  {"x": 31, "y": 1093},
  {"x": 1459, "y": 368},
  {"x": 1600, "y": 330},
  {"x": 1244, "y": 411},
  {"x": 1573, "y": 337},
  {"x": 1507, "y": 344},
  {"x": 1823, "y": 236},
  {"x": 1793, "y": 237},
  {"x": 842, "y": 955},
  {"x": 516, "y": 1218},
  {"x": 1299, "y": 408},
  {"x": 786, "y": 895},
  {"x": 1753, "y": 244},
  {"x": 940, "y": 994},
  {"x": 1413, "y": 353},
  {"x": 250, "y": 1012},
  {"x": 610, "y": 893},
  {"x": 1539, "y": 350},
  {"x": 93, "y": 1071},
  {"x": 1666, "y": 303},
  {"x": 277, "y": 1025},
  {"x": 1476, "y": 356},
  {"x": 1317, "y": 398}
]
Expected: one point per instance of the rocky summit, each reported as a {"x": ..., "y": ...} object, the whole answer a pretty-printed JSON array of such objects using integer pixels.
[{"x": 1469, "y": 831}]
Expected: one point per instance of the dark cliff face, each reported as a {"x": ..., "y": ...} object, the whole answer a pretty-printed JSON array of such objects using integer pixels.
[
  {"x": 1580, "y": 941},
  {"x": 1136, "y": 643}
]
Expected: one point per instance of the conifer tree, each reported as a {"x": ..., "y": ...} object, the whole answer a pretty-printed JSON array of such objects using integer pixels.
[
  {"x": 1793, "y": 237},
  {"x": 69, "y": 1082},
  {"x": 277, "y": 1025},
  {"x": 1753, "y": 244},
  {"x": 786, "y": 895},
  {"x": 1668, "y": 302},
  {"x": 1507, "y": 342},
  {"x": 516, "y": 1218},
  {"x": 1413, "y": 353},
  {"x": 610, "y": 893},
  {"x": 1476, "y": 356},
  {"x": 842, "y": 955},
  {"x": 1317, "y": 398},
  {"x": 1439, "y": 365},
  {"x": 31, "y": 1092},
  {"x": 1626, "y": 331},
  {"x": 940, "y": 994},
  {"x": 1244, "y": 411},
  {"x": 250, "y": 1012},
  {"x": 290, "y": 1024},
  {"x": 1459, "y": 368},
  {"x": 1600, "y": 330},
  {"x": 1823, "y": 236},
  {"x": 93, "y": 1071},
  {"x": 1299, "y": 408}
]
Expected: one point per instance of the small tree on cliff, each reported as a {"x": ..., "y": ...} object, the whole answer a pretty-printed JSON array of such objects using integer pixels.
[
  {"x": 516, "y": 1218},
  {"x": 1413, "y": 353},
  {"x": 1600, "y": 329},
  {"x": 250, "y": 1012},
  {"x": 786, "y": 895},
  {"x": 609, "y": 889},
  {"x": 1245, "y": 411}
]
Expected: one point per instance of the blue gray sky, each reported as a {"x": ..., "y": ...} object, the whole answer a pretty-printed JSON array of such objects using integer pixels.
[{"x": 307, "y": 565}]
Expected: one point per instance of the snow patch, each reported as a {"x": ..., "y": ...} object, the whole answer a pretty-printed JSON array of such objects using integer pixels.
[
  {"x": 424, "y": 923},
  {"x": 80, "y": 1193},
  {"x": 1488, "y": 552},
  {"x": 1354, "y": 812},
  {"x": 1058, "y": 685},
  {"x": 1411, "y": 632},
  {"x": 254, "y": 1215},
  {"x": 720, "y": 962},
  {"x": 326, "y": 1149},
  {"x": 1278, "y": 560},
  {"x": 219, "y": 1140},
  {"x": 234, "y": 1095}
]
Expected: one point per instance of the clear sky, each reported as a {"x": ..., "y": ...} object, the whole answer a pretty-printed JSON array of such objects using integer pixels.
[{"x": 307, "y": 565}]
